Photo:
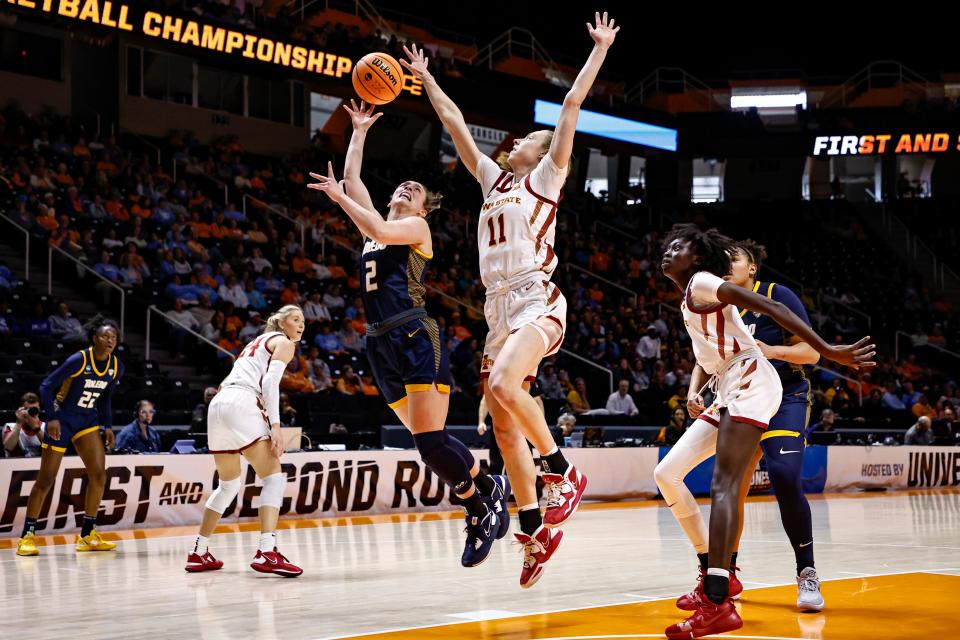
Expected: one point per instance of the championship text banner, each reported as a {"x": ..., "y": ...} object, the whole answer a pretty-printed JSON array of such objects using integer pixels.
[
  {"x": 169, "y": 490},
  {"x": 892, "y": 467},
  {"x": 197, "y": 34},
  {"x": 877, "y": 144}
]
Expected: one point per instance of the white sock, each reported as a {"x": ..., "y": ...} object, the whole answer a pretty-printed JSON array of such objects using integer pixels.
[
  {"x": 201, "y": 545},
  {"x": 720, "y": 573},
  {"x": 268, "y": 541}
]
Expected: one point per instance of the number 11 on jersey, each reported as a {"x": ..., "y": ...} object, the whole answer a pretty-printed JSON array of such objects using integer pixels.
[{"x": 493, "y": 238}]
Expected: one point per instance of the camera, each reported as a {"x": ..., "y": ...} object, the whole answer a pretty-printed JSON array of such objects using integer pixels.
[{"x": 33, "y": 412}]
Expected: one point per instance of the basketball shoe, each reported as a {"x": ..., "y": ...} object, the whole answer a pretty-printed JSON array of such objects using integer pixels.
[
  {"x": 563, "y": 495},
  {"x": 481, "y": 532},
  {"x": 707, "y": 619},
  {"x": 93, "y": 542},
  {"x": 501, "y": 492},
  {"x": 206, "y": 562},
  {"x": 537, "y": 551},
  {"x": 27, "y": 545},
  {"x": 809, "y": 597},
  {"x": 688, "y": 601},
  {"x": 274, "y": 562}
]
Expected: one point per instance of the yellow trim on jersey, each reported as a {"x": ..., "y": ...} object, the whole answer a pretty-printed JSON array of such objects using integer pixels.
[
  {"x": 44, "y": 445},
  {"x": 417, "y": 388},
  {"x": 443, "y": 388},
  {"x": 82, "y": 366},
  {"x": 399, "y": 403},
  {"x": 79, "y": 434},
  {"x": 776, "y": 433},
  {"x": 770, "y": 290},
  {"x": 756, "y": 286},
  {"x": 428, "y": 257},
  {"x": 116, "y": 368},
  {"x": 93, "y": 363}
]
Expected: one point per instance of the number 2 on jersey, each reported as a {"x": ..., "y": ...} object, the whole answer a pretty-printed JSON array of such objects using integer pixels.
[
  {"x": 371, "y": 266},
  {"x": 88, "y": 399},
  {"x": 493, "y": 238}
]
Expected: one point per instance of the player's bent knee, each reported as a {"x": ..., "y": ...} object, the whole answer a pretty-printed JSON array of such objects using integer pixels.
[
  {"x": 666, "y": 476},
  {"x": 272, "y": 493},
  {"x": 502, "y": 389},
  {"x": 224, "y": 494}
]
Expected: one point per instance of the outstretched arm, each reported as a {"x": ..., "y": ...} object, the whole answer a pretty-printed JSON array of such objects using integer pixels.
[
  {"x": 362, "y": 118},
  {"x": 412, "y": 230},
  {"x": 603, "y": 35},
  {"x": 856, "y": 355},
  {"x": 450, "y": 114}
]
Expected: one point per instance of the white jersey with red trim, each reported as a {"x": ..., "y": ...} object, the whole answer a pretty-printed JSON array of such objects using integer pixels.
[
  {"x": 252, "y": 363},
  {"x": 518, "y": 222},
  {"x": 716, "y": 329}
]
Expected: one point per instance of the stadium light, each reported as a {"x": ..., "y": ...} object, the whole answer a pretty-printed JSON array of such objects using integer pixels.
[
  {"x": 606, "y": 126},
  {"x": 769, "y": 100}
]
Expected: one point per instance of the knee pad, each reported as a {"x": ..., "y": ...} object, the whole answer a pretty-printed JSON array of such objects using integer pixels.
[
  {"x": 272, "y": 493},
  {"x": 461, "y": 449},
  {"x": 443, "y": 459},
  {"x": 224, "y": 494}
]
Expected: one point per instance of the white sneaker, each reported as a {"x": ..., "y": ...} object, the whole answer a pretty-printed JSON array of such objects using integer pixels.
[{"x": 809, "y": 597}]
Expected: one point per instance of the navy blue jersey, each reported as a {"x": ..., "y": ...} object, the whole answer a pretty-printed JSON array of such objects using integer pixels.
[
  {"x": 391, "y": 279},
  {"x": 792, "y": 376},
  {"x": 80, "y": 389}
]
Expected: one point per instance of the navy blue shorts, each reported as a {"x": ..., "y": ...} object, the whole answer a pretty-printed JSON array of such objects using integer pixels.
[
  {"x": 407, "y": 359},
  {"x": 789, "y": 422},
  {"x": 71, "y": 428}
]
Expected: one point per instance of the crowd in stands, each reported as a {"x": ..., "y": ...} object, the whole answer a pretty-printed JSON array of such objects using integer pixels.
[{"x": 218, "y": 268}]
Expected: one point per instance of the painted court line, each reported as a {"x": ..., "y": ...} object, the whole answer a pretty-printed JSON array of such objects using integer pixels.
[{"x": 484, "y": 614}]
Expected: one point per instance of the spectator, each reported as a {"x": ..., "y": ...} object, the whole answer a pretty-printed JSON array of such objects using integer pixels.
[
  {"x": 328, "y": 341},
  {"x": 254, "y": 297},
  {"x": 890, "y": 399},
  {"x": 349, "y": 382},
  {"x": 838, "y": 397},
  {"x": 318, "y": 370},
  {"x": 21, "y": 439},
  {"x": 229, "y": 343},
  {"x": 348, "y": 337},
  {"x": 314, "y": 310},
  {"x": 204, "y": 310},
  {"x": 577, "y": 398},
  {"x": 922, "y": 408},
  {"x": 295, "y": 378},
  {"x": 648, "y": 348},
  {"x": 288, "y": 415},
  {"x": 920, "y": 433},
  {"x": 565, "y": 424},
  {"x": 139, "y": 435},
  {"x": 198, "y": 421},
  {"x": 621, "y": 402},
  {"x": 65, "y": 327},
  {"x": 332, "y": 298},
  {"x": 178, "y": 333},
  {"x": 827, "y": 418},
  {"x": 232, "y": 291},
  {"x": 670, "y": 434},
  {"x": 593, "y": 437},
  {"x": 550, "y": 387},
  {"x": 910, "y": 396},
  {"x": 252, "y": 327}
]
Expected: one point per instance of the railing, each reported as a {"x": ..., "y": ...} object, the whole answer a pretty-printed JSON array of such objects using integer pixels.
[
  {"x": 520, "y": 42},
  {"x": 153, "y": 308},
  {"x": 847, "y": 378},
  {"x": 269, "y": 207},
  {"x": 610, "y": 283},
  {"x": 613, "y": 228},
  {"x": 26, "y": 248},
  {"x": 123, "y": 293},
  {"x": 219, "y": 183},
  {"x": 846, "y": 306},
  {"x": 923, "y": 258},
  {"x": 147, "y": 143},
  {"x": 896, "y": 346},
  {"x": 670, "y": 80},
  {"x": 877, "y": 74}
]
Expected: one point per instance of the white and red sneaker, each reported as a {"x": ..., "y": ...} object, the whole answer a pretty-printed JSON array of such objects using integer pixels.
[
  {"x": 274, "y": 562},
  {"x": 205, "y": 562},
  {"x": 688, "y": 601},
  {"x": 537, "y": 551},
  {"x": 563, "y": 495},
  {"x": 707, "y": 620}
]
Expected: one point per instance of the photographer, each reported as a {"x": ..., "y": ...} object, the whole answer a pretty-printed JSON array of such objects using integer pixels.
[{"x": 21, "y": 439}]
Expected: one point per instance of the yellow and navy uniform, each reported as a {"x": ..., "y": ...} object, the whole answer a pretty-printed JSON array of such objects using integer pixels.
[
  {"x": 404, "y": 345},
  {"x": 791, "y": 419},
  {"x": 78, "y": 393}
]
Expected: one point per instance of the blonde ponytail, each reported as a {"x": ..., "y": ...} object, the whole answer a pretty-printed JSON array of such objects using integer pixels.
[{"x": 273, "y": 322}]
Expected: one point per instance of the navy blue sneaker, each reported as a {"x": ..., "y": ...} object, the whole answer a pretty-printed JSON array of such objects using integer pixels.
[
  {"x": 481, "y": 532},
  {"x": 501, "y": 492}
]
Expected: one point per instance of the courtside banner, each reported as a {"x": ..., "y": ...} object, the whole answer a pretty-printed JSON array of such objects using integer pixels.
[
  {"x": 892, "y": 467},
  {"x": 165, "y": 490}
]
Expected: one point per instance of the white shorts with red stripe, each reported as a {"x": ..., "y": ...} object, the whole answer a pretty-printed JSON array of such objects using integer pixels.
[
  {"x": 509, "y": 309},
  {"x": 235, "y": 420},
  {"x": 749, "y": 388}
]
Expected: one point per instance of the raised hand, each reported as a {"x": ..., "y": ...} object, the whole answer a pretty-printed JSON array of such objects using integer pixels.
[
  {"x": 417, "y": 64},
  {"x": 604, "y": 32},
  {"x": 328, "y": 184},
  {"x": 363, "y": 116},
  {"x": 856, "y": 355}
]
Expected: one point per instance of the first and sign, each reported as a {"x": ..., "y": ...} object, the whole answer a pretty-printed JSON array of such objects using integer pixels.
[{"x": 205, "y": 36}]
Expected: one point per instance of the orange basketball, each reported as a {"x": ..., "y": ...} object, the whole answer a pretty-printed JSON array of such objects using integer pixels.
[{"x": 377, "y": 78}]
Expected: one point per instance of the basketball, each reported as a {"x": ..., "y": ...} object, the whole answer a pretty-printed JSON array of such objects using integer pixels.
[{"x": 377, "y": 78}]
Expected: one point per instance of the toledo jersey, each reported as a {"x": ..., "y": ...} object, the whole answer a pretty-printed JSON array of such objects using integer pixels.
[
  {"x": 392, "y": 279},
  {"x": 796, "y": 386},
  {"x": 78, "y": 393},
  {"x": 518, "y": 221},
  {"x": 252, "y": 363}
]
